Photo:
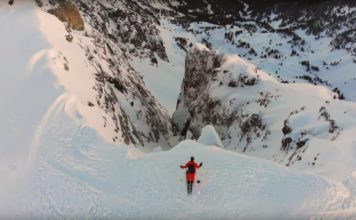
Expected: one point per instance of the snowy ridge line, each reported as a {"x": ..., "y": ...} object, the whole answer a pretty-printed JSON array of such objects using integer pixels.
[{"x": 100, "y": 177}]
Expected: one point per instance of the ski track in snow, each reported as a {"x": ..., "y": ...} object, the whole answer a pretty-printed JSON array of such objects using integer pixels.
[{"x": 41, "y": 129}]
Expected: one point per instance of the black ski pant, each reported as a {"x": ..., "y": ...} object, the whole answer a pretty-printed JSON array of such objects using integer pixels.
[{"x": 189, "y": 187}]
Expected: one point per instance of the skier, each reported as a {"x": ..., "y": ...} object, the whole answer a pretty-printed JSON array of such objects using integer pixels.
[{"x": 190, "y": 173}]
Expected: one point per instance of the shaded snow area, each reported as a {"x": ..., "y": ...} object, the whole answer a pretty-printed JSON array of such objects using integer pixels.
[
  {"x": 27, "y": 87},
  {"x": 58, "y": 161},
  {"x": 164, "y": 79}
]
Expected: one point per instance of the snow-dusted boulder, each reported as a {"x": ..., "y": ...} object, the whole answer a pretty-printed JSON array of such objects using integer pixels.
[{"x": 210, "y": 137}]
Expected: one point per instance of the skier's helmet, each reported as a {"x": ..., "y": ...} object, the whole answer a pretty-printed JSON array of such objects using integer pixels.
[{"x": 192, "y": 158}]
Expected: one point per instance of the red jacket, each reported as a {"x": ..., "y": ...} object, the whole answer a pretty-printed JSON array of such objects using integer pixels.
[{"x": 191, "y": 163}]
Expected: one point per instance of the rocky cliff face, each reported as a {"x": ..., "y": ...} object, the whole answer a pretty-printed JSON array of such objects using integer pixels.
[
  {"x": 307, "y": 41},
  {"x": 104, "y": 32},
  {"x": 132, "y": 25},
  {"x": 198, "y": 105},
  {"x": 200, "y": 68},
  {"x": 256, "y": 114}
]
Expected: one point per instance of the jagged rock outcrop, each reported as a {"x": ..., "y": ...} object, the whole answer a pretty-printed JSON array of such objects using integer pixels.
[
  {"x": 197, "y": 106},
  {"x": 199, "y": 66},
  {"x": 132, "y": 25},
  {"x": 254, "y": 113}
]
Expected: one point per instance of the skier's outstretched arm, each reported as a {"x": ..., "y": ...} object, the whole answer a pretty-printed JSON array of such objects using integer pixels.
[
  {"x": 198, "y": 166},
  {"x": 185, "y": 166}
]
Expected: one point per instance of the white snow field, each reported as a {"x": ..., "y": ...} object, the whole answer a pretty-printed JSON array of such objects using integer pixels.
[
  {"x": 63, "y": 167},
  {"x": 77, "y": 176}
]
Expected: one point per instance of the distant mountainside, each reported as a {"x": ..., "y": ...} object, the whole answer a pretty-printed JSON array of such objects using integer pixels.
[{"x": 126, "y": 42}]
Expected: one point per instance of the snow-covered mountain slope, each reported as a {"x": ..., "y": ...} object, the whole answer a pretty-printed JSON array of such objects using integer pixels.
[
  {"x": 295, "y": 41},
  {"x": 73, "y": 104},
  {"x": 144, "y": 120},
  {"x": 137, "y": 28},
  {"x": 78, "y": 176},
  {"x": 72, "y": 58},
  {"x": 299, "y": 125},
  {"x": 134, "y": 27},
  {"x": 301, "y": 46},
  {"x": 314, "y": 44}
]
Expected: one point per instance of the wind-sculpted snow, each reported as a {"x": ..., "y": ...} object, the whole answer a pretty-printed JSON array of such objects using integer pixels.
[
  {"x": 76, "y": 175},
  {"x": 27, "y": 86},
  {"x": 296, "y": 125},
  {"x": 210, "y": 137}
]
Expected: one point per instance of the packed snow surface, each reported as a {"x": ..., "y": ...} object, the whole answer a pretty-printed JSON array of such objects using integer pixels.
[{"x": 76, "y": 175}]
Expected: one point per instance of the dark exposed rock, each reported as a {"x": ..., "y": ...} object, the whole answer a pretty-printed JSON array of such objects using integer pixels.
[
  {"x": 69, "y": 37},
  {"x": 39, "y": 3},
  {"x": 136, "y": 25},
  {"x": 341, "y": 95},
  {"x": 66, "y": 67},
  {"x": 285, "y": 143},
  {"x": 286, "y": 129},
  {"x": 232, "y": 84},
  {"x": 250, "y": 123},
  {"x": 301, "y": 143},
  {"x": 182, "y": 43},
  {"x": 67, "y": 12},
  {"x": 196, "y": 108},
  {"x": 334, "y": 129},
  {"x": 306, "y": 64}
]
